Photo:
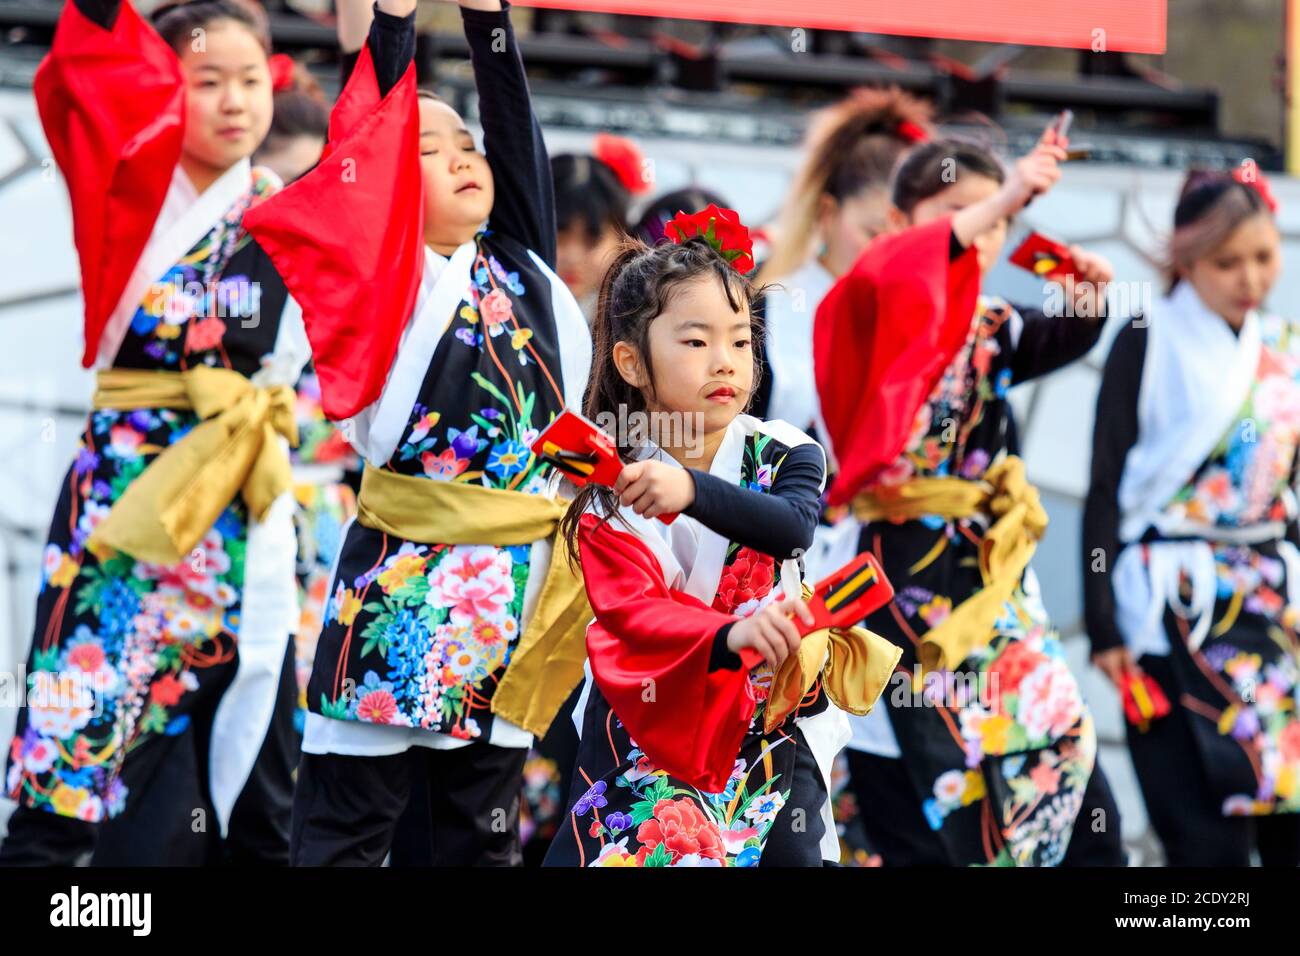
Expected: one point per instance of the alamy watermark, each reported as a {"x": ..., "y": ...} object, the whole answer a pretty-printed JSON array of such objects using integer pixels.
[{"x": 236, "y": 297}]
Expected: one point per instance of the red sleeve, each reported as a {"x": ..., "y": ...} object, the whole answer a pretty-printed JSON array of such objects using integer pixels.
[
  {"x": 112, "y": 104},
  {"x": 348, "y": 238},
  {"x": 649, "y": 650},
  {"x": 882, "y": 338}
]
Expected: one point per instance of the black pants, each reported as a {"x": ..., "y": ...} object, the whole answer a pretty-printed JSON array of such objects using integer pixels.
[
  {"x": 412, "y": 841},
  {"x": 169, "y": 819},
  {"x": 1187, "y": 815},
  {"x": 890, "y": 811},
  {"x": 346, "y": 808},
  {"x": 796, "y": 834}
]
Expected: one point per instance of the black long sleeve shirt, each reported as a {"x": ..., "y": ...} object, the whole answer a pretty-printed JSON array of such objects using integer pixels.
[
  {"x": 779, "y": 522},
  {"x": 102, "y": 12},
  {"x": 1115, "y": 432}
]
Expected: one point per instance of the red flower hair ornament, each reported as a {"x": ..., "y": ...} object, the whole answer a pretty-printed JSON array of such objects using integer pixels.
[
  {"x": 911, "y": 132},
  {"x": 625, "y": 159},
  {"x": 720, "y": 228},
  {"x": 1249, "y": 175},
  {"x": 281, "y": 66}
]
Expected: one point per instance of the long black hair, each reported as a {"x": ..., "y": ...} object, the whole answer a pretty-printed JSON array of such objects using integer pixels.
[{"x": 638, "y": 286}]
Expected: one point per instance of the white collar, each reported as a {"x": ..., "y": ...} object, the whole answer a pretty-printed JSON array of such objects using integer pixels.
[
  {"x": 1189, "y": 305},
  {"x": 237, "y": 175}
]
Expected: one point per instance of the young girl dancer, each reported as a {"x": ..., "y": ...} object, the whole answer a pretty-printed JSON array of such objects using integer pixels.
[
  {"x": 451, "y": 636},
  {"x": 168, "y": 596},
  {"x": 997, "y": 748},
  {"x": 838, "y": 203},
  {"x": 592, "y": 194},
  {"x": 1189, "y": 538},
  {"x": 690, "y": 755}
]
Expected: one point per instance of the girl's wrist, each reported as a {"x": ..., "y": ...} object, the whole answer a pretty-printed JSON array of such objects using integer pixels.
[
  {"x": 396, "y": 8},
  {"x": 688, "y": 488},
  {"x": 1008, "y": 201}
]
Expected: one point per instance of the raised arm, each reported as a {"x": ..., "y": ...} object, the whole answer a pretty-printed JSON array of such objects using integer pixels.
[
  {"x": 353, "y": 26},
  {"x": 112, "y": 105},
  {"x": 1032, "y": 174},
  {"x": 1049, "y": 342},
  {"x": 512, "y": 138},
  {"x": 103, "y": 12},
  {"x": 347, "y": 238},
  {"x": 391, "y": 38},
  {"x": 882, "y": 338}
]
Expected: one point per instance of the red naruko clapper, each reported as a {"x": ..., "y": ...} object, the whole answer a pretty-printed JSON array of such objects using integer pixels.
[
  {"x": 1043, "y": 257},
  {"x": 582, "y": 450},
  {"x": 1144, "y": 701},
  {"x": 849, "y": 595}
]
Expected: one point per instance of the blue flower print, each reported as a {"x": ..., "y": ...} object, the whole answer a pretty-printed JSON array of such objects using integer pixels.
[
  {"x": 508, "y": 459},
  {"x": 594, "y": 798},
  {"x": 1003, "y": 383},
  {"x": 933, "y": 813},
  {"x": 509, "y": 279},
  {"x": 466, "y": 444},
  {"x": 618, "y": 821}
]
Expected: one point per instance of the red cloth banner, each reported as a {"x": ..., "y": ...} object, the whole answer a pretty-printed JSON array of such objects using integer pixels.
[{"x": 1135, "y": 26}]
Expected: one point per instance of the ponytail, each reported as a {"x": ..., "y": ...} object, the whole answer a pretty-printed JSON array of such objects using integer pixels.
[{"x": 851, "y": 147}]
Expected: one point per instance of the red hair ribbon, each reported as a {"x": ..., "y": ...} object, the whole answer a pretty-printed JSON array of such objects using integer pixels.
[
  {"x": 625, "y": 158},
  {"x": 282, "y": 67},
  {"x": 721, "y": 228},
  {"x": 1249, "y": 175}
]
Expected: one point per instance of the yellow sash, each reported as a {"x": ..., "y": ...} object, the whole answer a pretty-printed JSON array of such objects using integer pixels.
[
  {"x": 854, "y": 676},
  {"x": 1018, "y": 523},
  {"x": 547, "y": 663},
  {"x": 235, "y": 449}
]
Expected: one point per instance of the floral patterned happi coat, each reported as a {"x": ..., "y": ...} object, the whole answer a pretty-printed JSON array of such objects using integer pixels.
[
  {"x": 418, "y": 635},
  {"x": 1000, "y": 750},
  {"x": 125, "y": 651},
  {"x": 1238, "y": 688}
]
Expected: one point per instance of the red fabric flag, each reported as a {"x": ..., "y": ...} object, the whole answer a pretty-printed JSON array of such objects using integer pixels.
[
  {"x": 348, "y": 238},
  {"x": 357, "y": 99},
  {"x": 649, "y": 649},
  {"x": 882, "y": 338},
  {"x": 112, "y": 103}
]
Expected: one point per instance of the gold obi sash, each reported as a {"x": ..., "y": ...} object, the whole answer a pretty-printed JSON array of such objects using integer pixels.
[
  {"x": 235, "y": 449},
  {"x": 547, "y": 662},
  {"x": 1019, "y": 521},
  {"x": 854, "y": 676}
]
